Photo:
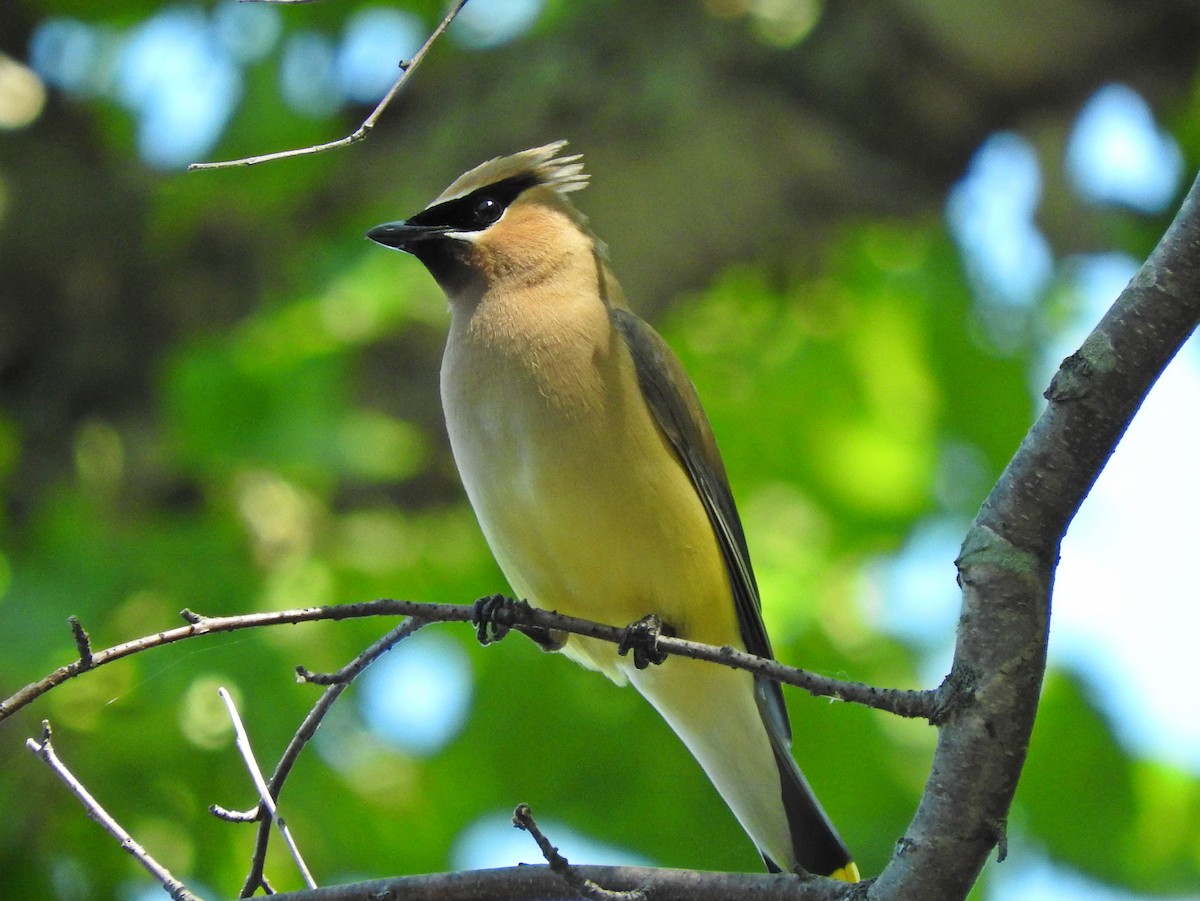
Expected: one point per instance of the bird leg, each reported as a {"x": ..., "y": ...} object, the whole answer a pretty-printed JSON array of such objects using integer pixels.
[{"x": 642, "y": 638}]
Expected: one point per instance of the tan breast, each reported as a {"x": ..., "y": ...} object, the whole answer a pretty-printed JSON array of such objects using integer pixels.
[{"x": 579, "y": 496}]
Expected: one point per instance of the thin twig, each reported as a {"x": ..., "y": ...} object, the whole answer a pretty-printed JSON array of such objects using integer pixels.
[
  {"x": 198, "y": 625},
  {"x": 234, "y": 816},
  {"x": 340, "y": 681},
  {"x": 45, "y": 752},
  {"x": 586, "y": 888},
  {"x": 264, "y": 794},
  {"x": 902, "y": 702},
  {"x": 406, "y": 69}
]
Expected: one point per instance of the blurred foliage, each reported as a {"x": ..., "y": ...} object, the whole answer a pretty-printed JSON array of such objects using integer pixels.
[{"x": 214, "y": 394}]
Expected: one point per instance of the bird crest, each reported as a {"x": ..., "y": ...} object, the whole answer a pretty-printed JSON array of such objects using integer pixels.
[{"x": 539, "y": 165}]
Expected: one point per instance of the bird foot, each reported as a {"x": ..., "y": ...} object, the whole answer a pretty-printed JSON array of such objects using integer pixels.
[
  {"x": 642, "y": 638},
  {"x": 493, "y": 616},
  {"x": 496, "y": 615}
]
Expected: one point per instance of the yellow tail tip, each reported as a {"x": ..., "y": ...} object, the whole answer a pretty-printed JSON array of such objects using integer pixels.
[{"x": 848, "y": 873}]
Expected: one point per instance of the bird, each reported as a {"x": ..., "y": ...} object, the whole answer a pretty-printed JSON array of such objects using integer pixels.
[{"x": 597, "y": 482}]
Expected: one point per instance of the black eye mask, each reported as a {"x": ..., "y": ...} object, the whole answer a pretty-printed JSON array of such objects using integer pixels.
[{"x": 477, "y": 210}]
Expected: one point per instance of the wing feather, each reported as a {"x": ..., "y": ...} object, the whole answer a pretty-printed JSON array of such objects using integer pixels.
[{"x": 676, "y": 408}]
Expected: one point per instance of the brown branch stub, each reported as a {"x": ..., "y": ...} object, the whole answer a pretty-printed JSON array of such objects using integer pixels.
[
  {"x": 83, "y": 643},
  {"x": 955, "y": 694},
  {"x": 407, "y": 67},
  {"x": 304, "y": 674},
  {"x": 1001, "y": 840},
  {"x": 584, "y": 887},
  {"x": 234, "y": 816}
]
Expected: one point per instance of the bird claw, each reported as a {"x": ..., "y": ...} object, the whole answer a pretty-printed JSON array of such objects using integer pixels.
[
  {"x": 497, "y": 615},
  {"x": 642, "y": 638},
  {"x": 493, "y": 617}
]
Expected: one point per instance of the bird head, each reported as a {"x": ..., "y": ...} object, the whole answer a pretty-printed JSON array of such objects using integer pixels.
[{"x": 506, "y": 219}]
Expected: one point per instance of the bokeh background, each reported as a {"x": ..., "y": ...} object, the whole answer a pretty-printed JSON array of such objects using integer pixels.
[{"x": 870, "y": 229}]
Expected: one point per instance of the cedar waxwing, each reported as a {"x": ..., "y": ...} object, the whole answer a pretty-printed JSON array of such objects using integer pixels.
[{"x": 596, "y": 479}]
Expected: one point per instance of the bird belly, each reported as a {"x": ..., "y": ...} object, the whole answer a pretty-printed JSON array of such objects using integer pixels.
[
  {"x": 590, "y": 515},
  {"x": 575, "y": 531}
]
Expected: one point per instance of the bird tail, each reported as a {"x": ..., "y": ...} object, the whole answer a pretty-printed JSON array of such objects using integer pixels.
[
  {"x": 816, "y": 846},
  {"x": 745, "y": 754}
]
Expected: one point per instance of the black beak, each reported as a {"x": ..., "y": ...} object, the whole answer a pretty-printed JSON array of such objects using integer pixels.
[{"x": 403, "y": 234}]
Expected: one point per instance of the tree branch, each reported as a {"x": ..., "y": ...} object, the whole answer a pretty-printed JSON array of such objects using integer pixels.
[
  {"x": 45, "y": 752},
  {"x": 407, "y": 68},
  {"x": 337, "y": 684},
  {"x": 1007, "y": 563},
  {"x": 903, "y": 702},
  {"x": 539, "y": 882},
  {"x": 269, "y": 809},
  {"x": 582, "y": 886},
  {"x": 205, "y": 625}
]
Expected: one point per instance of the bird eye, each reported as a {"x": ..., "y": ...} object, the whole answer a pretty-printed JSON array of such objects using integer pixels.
[{"x": 487, "y": 210}]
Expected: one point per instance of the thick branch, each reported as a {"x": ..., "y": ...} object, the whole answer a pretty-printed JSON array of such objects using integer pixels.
[
  {"x": 537, "y": 883},
  {"x": 1007, "y": 564}
]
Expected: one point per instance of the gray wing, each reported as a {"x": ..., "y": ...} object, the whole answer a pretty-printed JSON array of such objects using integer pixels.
[{"x": 673, "y": 401}]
